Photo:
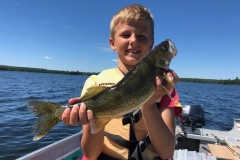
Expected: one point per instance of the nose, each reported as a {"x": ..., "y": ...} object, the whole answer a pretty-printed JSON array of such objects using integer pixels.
[{"x": 133, "y": 40}]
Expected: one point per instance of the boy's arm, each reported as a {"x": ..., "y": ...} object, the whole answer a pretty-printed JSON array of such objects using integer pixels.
[
  {"x": 161, "y": 129},
  {"x": 160, "y": 125},
  {"x": 92, "y": 144}
]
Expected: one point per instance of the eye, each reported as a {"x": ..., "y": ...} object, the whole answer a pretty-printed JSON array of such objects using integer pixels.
[
  {"x": 142, "y": 36},
  {"x": 164, "y": 47},
  {"x": 125, "y": 35}
]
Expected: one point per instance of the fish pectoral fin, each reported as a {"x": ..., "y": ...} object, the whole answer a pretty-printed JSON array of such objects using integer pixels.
[
  {"x": 168, "y": 79},
  {"x": 167, "y": 93},
  {"x": 93, "y": 92},
  {"x": 98, "y": 123}
]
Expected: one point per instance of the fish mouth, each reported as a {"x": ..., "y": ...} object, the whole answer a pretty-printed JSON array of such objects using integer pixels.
[
  {"x": 164, "y": 68},
  {"x": 171, "y": 47}
]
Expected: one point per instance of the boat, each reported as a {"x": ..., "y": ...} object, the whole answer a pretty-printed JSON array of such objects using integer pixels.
[{"x": 190, "y": 138}]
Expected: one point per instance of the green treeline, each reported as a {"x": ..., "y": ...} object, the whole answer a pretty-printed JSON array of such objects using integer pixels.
[
  {"x": 196, "y": 80},
  {"x": 40, "y": 70}
]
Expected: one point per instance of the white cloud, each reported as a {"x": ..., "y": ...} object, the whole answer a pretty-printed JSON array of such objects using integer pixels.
[
  {"x": 49, "y": 58},
  {"x": 114, "y": 60}
]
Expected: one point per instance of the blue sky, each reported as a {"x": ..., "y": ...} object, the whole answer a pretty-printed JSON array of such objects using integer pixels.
[{"x": 73, "y": 35}]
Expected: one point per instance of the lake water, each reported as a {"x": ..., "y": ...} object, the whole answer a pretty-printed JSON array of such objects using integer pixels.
[{"x": 221, "y": 104}]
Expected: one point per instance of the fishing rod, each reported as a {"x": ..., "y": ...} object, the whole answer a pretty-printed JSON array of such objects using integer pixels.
[{"x": 226, "y": 145}]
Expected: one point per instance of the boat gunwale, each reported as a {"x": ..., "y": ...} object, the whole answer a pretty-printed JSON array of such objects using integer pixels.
[{"x": 35, "y": 154}]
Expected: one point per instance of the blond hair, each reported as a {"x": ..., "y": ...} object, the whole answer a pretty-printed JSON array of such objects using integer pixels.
[{"x": 131, "y": 13}]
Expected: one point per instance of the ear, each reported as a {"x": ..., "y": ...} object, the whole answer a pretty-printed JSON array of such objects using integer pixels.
[
  {"x": 151, "y": 45},
  {"x": 112, "y": 44}
]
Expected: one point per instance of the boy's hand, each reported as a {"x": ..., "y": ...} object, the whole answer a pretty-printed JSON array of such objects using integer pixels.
[
  {"x": 159, "y": 92},
  {"x": 159, "y": 85},
  {"x": 77, "y": 115}
]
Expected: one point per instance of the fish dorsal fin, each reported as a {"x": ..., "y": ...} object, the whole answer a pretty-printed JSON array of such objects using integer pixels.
[
  {"x": 98, "y": 123},
  {"x": 93, "y": 92}
]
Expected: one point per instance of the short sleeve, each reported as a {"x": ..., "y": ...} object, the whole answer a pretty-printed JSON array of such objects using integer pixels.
[
  {"x": 174, "y": 103},
  {"x": 90, "y": 82}
]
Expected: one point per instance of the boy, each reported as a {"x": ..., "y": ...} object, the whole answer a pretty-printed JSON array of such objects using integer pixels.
[{"x": 132, "y": 37}]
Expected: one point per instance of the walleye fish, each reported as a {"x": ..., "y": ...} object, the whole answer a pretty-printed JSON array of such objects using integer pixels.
[{"x": 137, "y": 86}]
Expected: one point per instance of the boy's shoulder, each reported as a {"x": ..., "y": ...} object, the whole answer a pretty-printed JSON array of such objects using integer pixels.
[
  {"x": 108, "y": 71},
  {"x": 101, "y": 74},
  {"x": 109, "y": 77}
]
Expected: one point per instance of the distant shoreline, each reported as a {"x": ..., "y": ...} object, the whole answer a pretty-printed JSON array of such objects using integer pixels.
[{"x": 41, "y": 70}]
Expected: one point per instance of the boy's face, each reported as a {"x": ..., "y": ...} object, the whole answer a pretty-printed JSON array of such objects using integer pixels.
[{"x": 132, "y": 41}]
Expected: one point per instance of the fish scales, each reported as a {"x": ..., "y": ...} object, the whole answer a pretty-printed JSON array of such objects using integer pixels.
[{"x": 136, "y": 91}]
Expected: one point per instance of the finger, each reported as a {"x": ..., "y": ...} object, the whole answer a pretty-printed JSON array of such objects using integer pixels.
[
  {"x": 74, "y": 119},
  {"x": 90, "y": 115},
  {"x": 66, "y": 116},
  {"x": 159, "y": 87},
  {"x": 158, "y": 92},
  {"x": 83, "y": 114},
  {"x": 74, "y": 100},
  {"x": 158, "y": 82}
]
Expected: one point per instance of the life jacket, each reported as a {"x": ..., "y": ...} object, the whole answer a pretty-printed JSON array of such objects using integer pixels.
[{"x": 135, "y": 147}]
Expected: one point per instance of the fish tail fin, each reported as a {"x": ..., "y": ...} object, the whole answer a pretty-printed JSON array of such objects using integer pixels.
[
  {"x": 43, "y": 126},
  {"x": 98, "y": 123},
  {"x": 48, "y": 113}
]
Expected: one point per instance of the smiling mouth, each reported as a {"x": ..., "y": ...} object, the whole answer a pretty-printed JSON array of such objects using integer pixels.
[{"x": 133, "y": 51}]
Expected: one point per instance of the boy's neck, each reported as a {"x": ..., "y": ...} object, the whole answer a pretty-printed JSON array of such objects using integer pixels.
[{"x": 124, "y": 68}]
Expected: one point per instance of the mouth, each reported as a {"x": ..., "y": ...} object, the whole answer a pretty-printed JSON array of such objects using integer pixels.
[{"x": 131, "y": 51}]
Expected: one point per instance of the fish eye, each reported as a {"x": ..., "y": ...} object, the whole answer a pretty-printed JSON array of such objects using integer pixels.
[{"x": 164, "y": 47}]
